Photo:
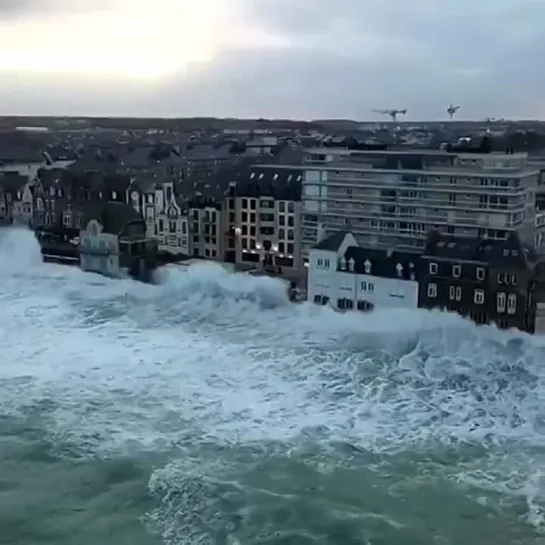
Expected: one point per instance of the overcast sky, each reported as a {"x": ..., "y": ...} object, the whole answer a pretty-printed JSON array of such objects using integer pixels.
[{"x": 302, "y": 59}]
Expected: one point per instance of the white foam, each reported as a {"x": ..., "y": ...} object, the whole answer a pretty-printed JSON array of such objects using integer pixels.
[{"x": 130, "y": 366}]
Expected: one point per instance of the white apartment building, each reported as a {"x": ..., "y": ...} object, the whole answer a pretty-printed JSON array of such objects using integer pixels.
[{"x": 392, "y": 198}]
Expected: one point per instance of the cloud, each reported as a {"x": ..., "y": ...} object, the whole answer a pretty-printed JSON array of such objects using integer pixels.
[
  {"x": 23, "y": 9},
  {"x": 342, "y": 58}
]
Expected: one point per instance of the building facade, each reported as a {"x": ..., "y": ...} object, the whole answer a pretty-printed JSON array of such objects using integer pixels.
[
  {"x": 16, "y": 198},
  {"x": 114, "y": 243},
  {"x": 487, "y": 281},
  {"x": 392, "y": 198},
  {"x": 346, "y": 276},
  {"x": 263, "y": 218}
]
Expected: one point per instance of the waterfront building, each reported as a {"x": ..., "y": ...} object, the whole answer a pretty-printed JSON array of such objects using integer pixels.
[
  {"x": 393, "y": 198},
  {"x": 263, "y": 218},
  {"x": 114, "y": 242},
  {"x": 347, "y": 276},
  {"x": 488, "y": 281}
]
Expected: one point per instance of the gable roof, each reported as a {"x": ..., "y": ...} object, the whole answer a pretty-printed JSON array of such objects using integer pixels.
[{"x": 332, "y": 243}]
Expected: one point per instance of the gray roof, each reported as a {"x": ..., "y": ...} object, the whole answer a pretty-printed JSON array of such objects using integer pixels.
[
  {"x": 113, "y": 216},
  {"x": 12, "y": 182},
  {"x": 382, "y": 262},
  {"x": 494, "y": 252},
  {"x": 332, "y": 243},
  {"x": 268, "y": 181}
]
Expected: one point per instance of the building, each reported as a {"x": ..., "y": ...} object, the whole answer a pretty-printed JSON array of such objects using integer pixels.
[
  {"x": 264, "y": 211},
  {"x": 489, "y": 281},
  {"x": 67, "y": 195},
  {"x": 16, "y": 198},
  {"x": 206, "y": 224},
  {"x": 113, "y": 242},
  {"x": 392, "y": 198},
  {"x": 346, "y": 276}
]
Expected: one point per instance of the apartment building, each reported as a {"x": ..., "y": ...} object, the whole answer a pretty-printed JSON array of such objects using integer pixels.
[
  {"x": 488, "y": 281},
  {"x": 393, "y": 198},
  {"x": 263, "y": 218}
]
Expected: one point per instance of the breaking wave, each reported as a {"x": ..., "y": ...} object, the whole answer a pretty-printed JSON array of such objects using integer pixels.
[{"x": 261, "y": 408}]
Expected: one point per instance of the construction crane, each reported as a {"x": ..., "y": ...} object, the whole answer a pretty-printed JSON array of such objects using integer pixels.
[
  {"x": 451, "y": 110},
  {"x": 392, "y": 113}
]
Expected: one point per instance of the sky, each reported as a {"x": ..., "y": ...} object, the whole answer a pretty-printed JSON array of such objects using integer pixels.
[{"x": 299, "y": 59}]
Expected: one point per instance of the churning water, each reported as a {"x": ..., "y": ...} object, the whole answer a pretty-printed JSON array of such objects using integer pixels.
[{"x": 208, "y": 410}]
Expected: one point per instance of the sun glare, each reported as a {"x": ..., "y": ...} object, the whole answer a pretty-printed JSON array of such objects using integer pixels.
[{"x": 130, "y": 40}]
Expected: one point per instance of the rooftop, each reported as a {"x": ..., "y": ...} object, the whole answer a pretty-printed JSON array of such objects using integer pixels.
[{"x": 417, "y": 152}]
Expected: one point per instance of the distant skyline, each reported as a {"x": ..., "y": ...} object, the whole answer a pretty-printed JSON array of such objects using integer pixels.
[{"x": 307, "y": 59}]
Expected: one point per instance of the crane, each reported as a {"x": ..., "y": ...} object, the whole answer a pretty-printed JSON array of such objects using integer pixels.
[
  {"x": 392, "y": 113},
  {"x": 451, "y": 110}
]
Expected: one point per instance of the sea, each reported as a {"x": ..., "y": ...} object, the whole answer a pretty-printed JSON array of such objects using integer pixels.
[{"x": 209, "y": 410}]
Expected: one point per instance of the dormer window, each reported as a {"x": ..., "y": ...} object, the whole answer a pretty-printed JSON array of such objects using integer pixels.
[
  {"x": 456, "y": 271},
  {"x": 343, "y": 263},
  {"x": 433, "y": 268},
  {"x": 351, "y": 264}
]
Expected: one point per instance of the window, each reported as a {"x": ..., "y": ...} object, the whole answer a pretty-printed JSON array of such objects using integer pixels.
[
  {"x": 500, "y": 278},
  {"x": 67, "y": 220},
  {"x": 456, "y": 271},
  {"x": 114, "y": 195},
  {"x": 323, "y": 263},
  {"x": 433, "y": 268},
  {"x": 244, "y": 203},
  {"x": 367, "y": 286},
  {"x": 345, "y": 304},
  {"x": 512, "y": 303},
  {"x": 500, "y": 302},
  {"x": 452, "y": 293},
  {"x": 478, "y": 297},
  {"x": 480, "y": 273},
  {"x": 458, "y": 293},
  {"x": 364, "y": 306},
  {"x": 281, "y": 206},
  {"x": 432, "y": 288}
]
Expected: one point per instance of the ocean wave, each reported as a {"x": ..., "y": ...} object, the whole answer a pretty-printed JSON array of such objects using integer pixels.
[{"x": 212, "y": 357}]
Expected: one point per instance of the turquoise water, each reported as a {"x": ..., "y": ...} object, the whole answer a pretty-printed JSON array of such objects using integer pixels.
[{"x": 208, "y": 410}]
